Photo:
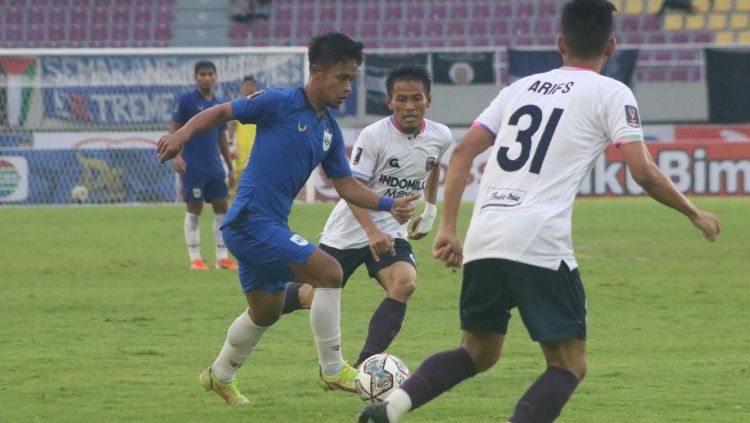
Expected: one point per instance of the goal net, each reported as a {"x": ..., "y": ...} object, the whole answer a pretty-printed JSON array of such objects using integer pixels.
[{"x": 81, "y": 125}]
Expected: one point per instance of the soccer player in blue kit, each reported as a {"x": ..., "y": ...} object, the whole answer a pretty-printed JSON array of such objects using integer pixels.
[
  {"x": 295, "y": 133},
  {"x": 201, "y": 169}
]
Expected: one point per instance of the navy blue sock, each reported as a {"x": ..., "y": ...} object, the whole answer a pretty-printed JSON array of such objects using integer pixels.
[
  {"x": 384, "y": 326},
  {"x": 438, "y": 374},
  {"x": 546, "y": 397},
  {"x": 291, "y": 298}
]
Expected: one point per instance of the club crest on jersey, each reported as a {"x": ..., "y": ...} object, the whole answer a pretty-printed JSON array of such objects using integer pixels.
[
  {"x": 631, "y": 116},
  {"x": 430, "y": 163},
  {"x": 327, "y": 137},
  {"x": 297, "y": 239}
]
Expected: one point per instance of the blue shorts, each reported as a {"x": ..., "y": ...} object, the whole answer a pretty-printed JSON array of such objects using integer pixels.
[
  {"x": 264, "y": 248},
  {"x": 201, "y": 186}
]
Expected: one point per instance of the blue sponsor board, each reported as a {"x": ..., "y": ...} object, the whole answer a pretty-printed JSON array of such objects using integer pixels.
[
  {"x": 141, "y": 90},
  {"x": 107, "y": 176}
]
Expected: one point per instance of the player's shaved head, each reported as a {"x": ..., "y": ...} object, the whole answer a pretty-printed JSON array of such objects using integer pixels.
[
  {"x": 408, "y": 73},
  {"x": 587, "y": 27},
  {"x": 333, "y": 47}
]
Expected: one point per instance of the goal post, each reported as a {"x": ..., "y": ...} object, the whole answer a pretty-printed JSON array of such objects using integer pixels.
[{"x": 72, "y": 117}]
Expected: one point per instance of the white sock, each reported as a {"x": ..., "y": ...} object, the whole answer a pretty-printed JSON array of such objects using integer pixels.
[
  {"x": 325, "y": 316},
  {"x": 398, "y": 403},
  {"x": 192, "y": 236},
  {"x": 242, "y": 337},
  {"x": 221, "y": 249}
]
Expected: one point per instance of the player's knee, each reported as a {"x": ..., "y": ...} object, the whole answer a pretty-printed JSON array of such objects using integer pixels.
[
  {"x": 264, "y": 317},
  {"x": 402, "y": 289},
  {"x": 331, "y": 277},
  {"x": 485, "y": 360}
]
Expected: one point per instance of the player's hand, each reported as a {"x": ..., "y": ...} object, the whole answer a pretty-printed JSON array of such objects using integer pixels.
[
  {"x": 169, "y": 146},
  {"x": 178, "y": 165},
  {"x": 380, "y": 243},
  {"x": 231, "y": 179},
  {"x": 447, "y": 248},
  {"x": 708, "y": 223},
  {"x": 402, "y": 208},
  {"x": 422, "y": 224}
]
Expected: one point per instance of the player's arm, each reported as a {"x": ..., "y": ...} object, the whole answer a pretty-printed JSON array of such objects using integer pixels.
[
  {"x": 379, "y": 242},
  {"x": 169, "y": 146},
  {"x": 224, "y": 149},
  {"x": 355, "y": 193},
  {"x": 178, "y": 165},
  {"x": 447, "y": 246},
  {"x": 422, "y": 224},
  {"x": 648, "y": 175}
]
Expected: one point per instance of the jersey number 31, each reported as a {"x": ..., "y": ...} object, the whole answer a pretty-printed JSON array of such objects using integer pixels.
[{"x": 524, "y": 138}]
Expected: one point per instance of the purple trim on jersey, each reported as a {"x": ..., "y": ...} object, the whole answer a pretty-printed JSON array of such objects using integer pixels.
[
  {"x": 483, "y": 126},
  {"x": 393, "y": 121}
]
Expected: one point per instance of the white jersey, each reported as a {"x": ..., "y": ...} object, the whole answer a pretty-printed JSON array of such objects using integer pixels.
[
  {"x": 394, "y": 164},
  {"x": 550, "y": 128}
]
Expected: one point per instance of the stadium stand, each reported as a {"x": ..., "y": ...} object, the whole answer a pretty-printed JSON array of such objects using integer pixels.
[
  {"x": 86, "y": 23},
  {"x": 383, "y": 24}
]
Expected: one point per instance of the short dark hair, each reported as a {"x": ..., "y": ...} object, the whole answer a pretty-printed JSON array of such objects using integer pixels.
[
  {"x": 408, "y": 73},
  {"x": 204, "y": 64},
  {"x": 587, "y": 27},
  {"x": 248, "y": 78},
  {"x": 333, "y": 47}
]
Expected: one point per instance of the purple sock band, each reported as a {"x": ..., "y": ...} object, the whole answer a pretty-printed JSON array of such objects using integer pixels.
[
  {"x": 291, "y": 298},
  {"x": 438, "y": 374}
]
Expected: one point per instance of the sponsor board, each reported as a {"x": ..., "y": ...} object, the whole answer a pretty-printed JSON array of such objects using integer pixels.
[
  {"x": 95, "y": 140},
  {"x": 14, "y": 179},
  {"x": 696, "y": 169}
]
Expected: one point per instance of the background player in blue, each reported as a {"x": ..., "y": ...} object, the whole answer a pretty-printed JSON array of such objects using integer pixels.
[
  {"x": 518, "y": 252},
  {"x": 200, "y": 165},
  {"x": 295, "y": 133}
]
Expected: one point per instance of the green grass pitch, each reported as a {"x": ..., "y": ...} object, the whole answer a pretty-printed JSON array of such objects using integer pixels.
[{"x": 101, "y": 321}]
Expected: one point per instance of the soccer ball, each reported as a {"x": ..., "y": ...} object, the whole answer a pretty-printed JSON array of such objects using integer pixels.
[
  {"x": 79, "y": 194},
  {"x": 380, "y": 375}
]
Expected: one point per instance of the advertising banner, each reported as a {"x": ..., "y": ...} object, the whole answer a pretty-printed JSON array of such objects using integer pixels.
[
  {"x": 84, "y": 176},
  {"x": 463, "y": 68},
  {"x": 96, "y": 140},
  {"x": 522, "y": 63},
  {"x": 377, "y": 67},
  {"x": 728, "y": 77},
  {"x": 700, "y": 168},
  {"x": 140, "y": 90}
]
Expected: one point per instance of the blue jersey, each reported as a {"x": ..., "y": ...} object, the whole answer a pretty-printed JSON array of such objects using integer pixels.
[
  {"x": 290, "y": 142},
  {"x": 201, "y": 153}
]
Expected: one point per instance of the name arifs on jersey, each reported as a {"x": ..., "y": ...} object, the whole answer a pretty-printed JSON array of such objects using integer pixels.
[
  {"x": 394, "y": 164},
  {"x": 549, "y": 128}
]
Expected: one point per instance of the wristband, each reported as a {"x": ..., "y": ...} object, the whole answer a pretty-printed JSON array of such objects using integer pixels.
[
  {"x": 430, "y": 211},
  {"x": 385, "y": 203}
]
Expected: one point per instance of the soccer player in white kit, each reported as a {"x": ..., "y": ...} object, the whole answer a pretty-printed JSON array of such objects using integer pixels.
[
  {"x": 395, "y": 157},
  {"x": 545, "y": 131}
]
